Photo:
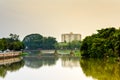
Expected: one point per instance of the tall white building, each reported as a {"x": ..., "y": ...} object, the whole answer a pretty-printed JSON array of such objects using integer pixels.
[{"x": 70, "y": 37}]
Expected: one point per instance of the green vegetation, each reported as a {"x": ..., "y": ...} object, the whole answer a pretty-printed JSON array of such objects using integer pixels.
[
  {"x": 105, "y": 43},
  {"x": 72, "y": 48},
  {"x": 11, "y": 43},
  {"x": 101, "y": 69},
  {"x": 24, "y": 54},
  {"x": 76, "y": 53},
  {"x": 63, "y": 51},
  {"x": 37, "y": 41},
  {"x": 74, "y": 45}
]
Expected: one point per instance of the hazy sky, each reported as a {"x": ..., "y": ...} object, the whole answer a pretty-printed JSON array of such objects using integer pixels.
[{"x": 54, "y": 17}]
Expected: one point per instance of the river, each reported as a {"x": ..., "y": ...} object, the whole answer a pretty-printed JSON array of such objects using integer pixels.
[{"x": 60, "y": 68}]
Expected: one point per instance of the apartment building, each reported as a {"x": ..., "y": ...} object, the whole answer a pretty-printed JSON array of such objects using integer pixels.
[{"x": 70, "y": 37}]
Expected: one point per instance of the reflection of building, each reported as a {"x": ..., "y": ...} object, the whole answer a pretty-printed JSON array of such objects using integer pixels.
[
  {"x": 70, "y": 63},
  {"x": 70, "y": 37}
]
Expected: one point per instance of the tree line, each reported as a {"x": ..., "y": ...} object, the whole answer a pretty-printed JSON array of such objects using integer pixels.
[
  {"x": 74, "y": 45},
  {"x": 105, "y": 43},
  {"x": 37, "y": 41},
  {"x": 11, "y": 43},
  {"x": 30, "y": 42}
]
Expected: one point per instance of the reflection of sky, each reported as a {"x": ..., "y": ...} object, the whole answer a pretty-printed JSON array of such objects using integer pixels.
[{"x": 56, "y": 72}]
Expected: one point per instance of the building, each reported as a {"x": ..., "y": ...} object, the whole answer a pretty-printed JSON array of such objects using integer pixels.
[{"x": 70, "y": 37}]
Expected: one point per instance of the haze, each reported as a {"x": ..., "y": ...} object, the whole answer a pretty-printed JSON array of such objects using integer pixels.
[{"x": 54, "y": 17}]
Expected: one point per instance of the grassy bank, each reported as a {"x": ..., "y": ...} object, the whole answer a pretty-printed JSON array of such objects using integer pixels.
[
  {"x": 75, "y": 52},
  {"x": 24, "y": 54}
]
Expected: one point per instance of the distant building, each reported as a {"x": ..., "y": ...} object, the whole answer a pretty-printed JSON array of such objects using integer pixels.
[{"x": 70, "y": 37}]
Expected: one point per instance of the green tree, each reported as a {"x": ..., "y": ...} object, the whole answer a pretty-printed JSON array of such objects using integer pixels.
[
  {"x": 33, "y": 41},
  {"x": 11, "y": 43},
  {"x": 70, "y": 45},
  {"x": 49, "y": 43},
  {"x": 37, "y": 41},
  {"x": 105, "y": 43},
  {"x": 14, "y": 37}
]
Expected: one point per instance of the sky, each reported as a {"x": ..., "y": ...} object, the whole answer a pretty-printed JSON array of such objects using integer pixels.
[{"x": 55, "y": 17}]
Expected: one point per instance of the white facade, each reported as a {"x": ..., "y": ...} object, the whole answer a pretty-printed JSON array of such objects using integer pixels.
[{"x": 70, "y": 37}]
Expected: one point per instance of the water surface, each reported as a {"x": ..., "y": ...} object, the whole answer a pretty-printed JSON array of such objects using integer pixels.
[{"x": 60, "y": 68}]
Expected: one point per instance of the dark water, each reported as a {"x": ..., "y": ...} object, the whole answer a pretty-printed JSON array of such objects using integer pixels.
[{"x": 60, "y": 68}]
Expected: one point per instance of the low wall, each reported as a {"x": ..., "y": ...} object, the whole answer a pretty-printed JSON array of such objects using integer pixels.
[{"x": 10, "y": 54}]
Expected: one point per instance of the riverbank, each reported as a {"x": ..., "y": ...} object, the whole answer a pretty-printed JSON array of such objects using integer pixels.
[
  {"x": 10, "y": 54},
  {"x": 71, "y": 52}
]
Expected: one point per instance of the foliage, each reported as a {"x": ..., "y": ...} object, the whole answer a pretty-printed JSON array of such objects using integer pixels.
[
  {"x": 33, "y": 41},
  {"x": 49, "y": 43},
  {"x": 106, "y": 43},
  {"x": 70, "y": 45},
  {"x": 37, "y": 41},
  {"x": 11, "y": 43},
  {"x": 24, "y": 54},
  {"x": 76, "y": 53},
  {"x": 14, "y": 36}
]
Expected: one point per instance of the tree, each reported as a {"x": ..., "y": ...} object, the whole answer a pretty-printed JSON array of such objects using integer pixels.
[
  {"x": 12, "y": 43},
  {"x": 33, "y": 41},
  {"x": 14, "y": 37},
  {"x": 37, "y": 41},
  {"x": 49, "y": 43},
  {"x": 105, "y": 43},
  {"x": 70, "y": 45}
]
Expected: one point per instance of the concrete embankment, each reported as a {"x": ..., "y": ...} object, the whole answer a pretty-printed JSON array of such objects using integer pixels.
[{"x": 10, "y": 54}]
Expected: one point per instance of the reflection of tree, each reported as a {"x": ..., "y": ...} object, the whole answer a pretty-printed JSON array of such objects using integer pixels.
[
  {"x": 3, "y": 71},
  {"x": 70, "y": 61},
  {"x": 37, "y": 62},
  {"x": 10, "y": 67},
  {"x": 101, "y": 69}
]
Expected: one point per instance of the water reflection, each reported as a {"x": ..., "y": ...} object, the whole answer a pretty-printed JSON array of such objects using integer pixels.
[
  {"x": 101, "y": 69},
  {"x": 37, "y": 62},
  {"x": 13, "y": 64},
  {"x": 45, "y": 67},
  {"x": 70, "y": 61},
  {"x": 51, "y": 67}
]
